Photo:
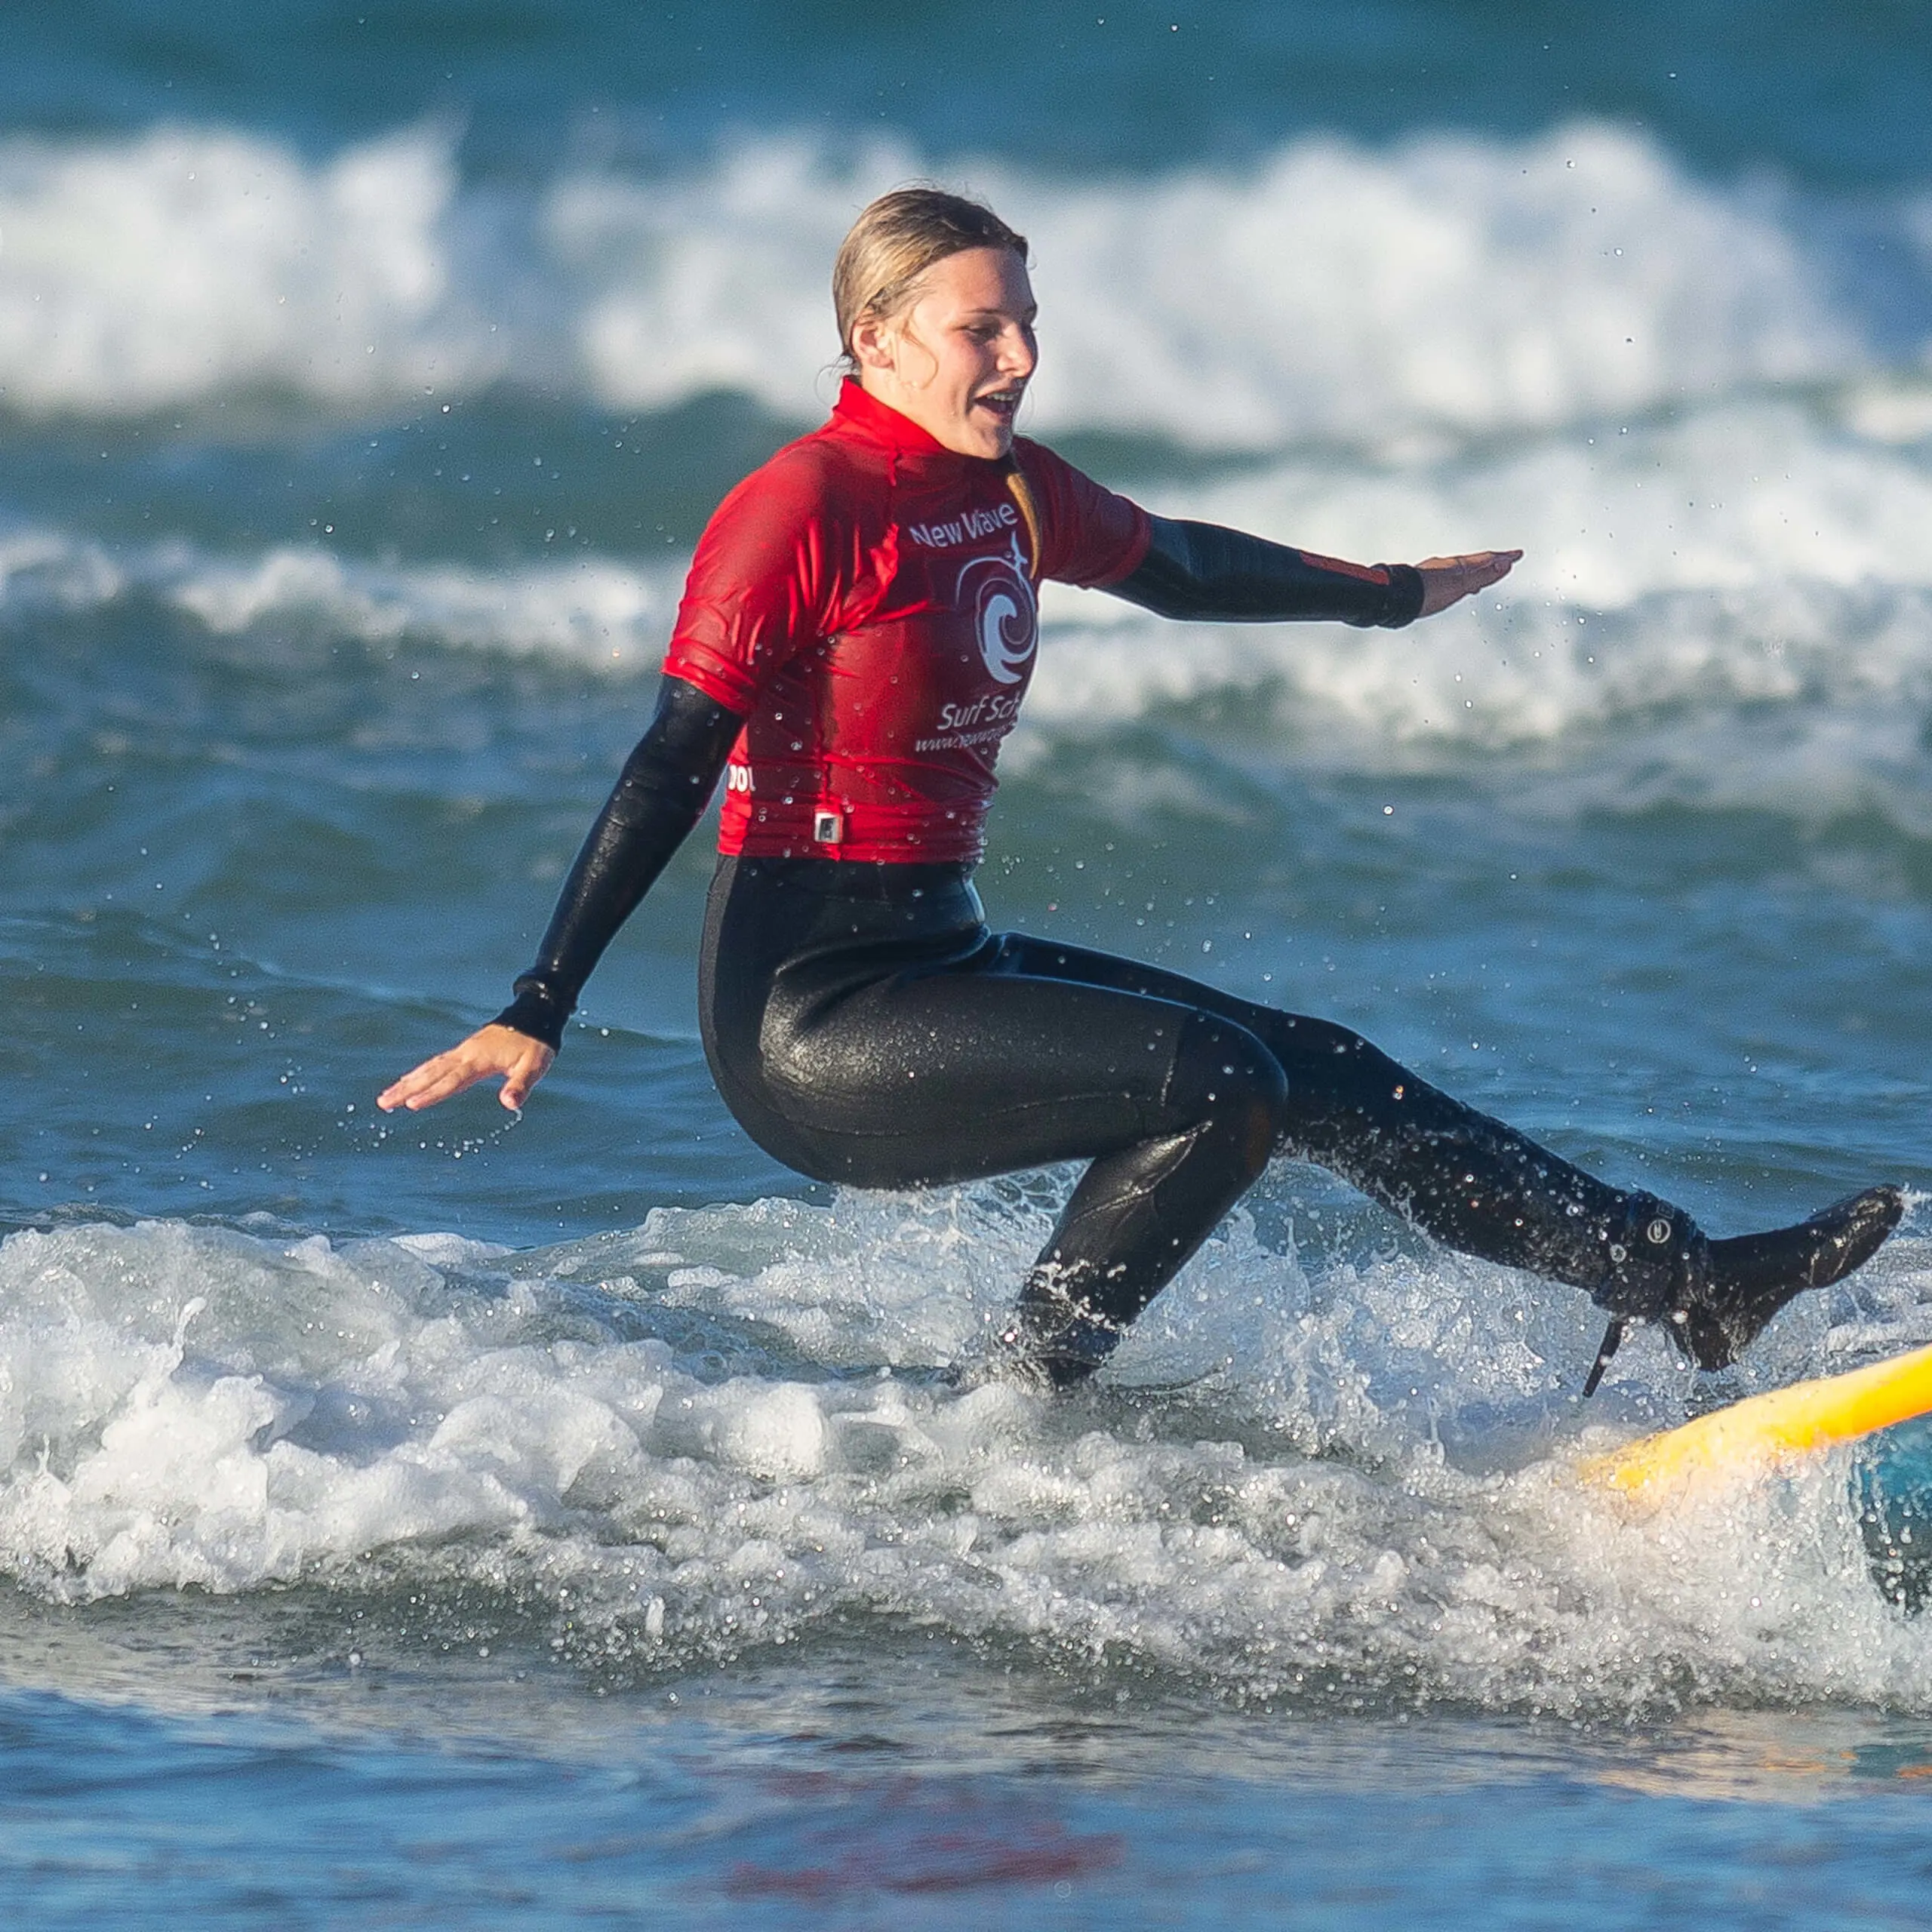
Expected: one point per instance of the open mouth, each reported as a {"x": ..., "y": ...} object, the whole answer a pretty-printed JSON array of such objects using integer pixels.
[{"x": 1003, "y": 404}]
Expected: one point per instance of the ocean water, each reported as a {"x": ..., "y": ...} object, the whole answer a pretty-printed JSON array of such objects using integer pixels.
[{"x": 467, "y": 1521}]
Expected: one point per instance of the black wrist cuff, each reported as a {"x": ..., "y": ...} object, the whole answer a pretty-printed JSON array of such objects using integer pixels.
[
  {"x": 1404, "y": 595},
  {"x": 537, "y": 1012}
]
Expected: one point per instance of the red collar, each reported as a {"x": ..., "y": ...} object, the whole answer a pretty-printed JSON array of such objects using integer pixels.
[{"x": 858, "y": 408}]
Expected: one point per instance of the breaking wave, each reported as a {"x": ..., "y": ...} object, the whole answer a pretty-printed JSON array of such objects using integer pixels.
[
  {"x": 713, "y": 1435},
  {"x": 1328, "y": 291}
]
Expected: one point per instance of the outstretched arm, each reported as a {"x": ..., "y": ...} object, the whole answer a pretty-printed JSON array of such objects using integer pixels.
[
  {"x": 662, "y": 792},
  {"x": 1204, "y": 571}
]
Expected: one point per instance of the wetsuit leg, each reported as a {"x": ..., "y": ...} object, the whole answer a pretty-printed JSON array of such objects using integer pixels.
[
  {"x": 1480, "y": 1186},
  {"x": 867, "y": 1029},
  {"x": 881, "y": 1053},
  {"x": 864, "y": 1027},
  {"x": 1461, "y": 1176}
]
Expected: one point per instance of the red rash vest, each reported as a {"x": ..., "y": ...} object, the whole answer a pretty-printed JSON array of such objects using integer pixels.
[{"x": 865, "y": 601}]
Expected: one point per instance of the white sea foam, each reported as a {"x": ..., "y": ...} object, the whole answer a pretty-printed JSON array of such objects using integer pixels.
[
  {"x": 188, "y": 262},
  {"x": 1731, "y": 605},
  {"x": 1330, "y": 290},
  {"x": 1716, "y": 559},
  {"x": 588, "y": 611},
  {"x": 1445, "y": 282},
  {"x": 191, "y": 1406},
  {"x": 1805, "y": 700},
  {"x": 1749, "y": 573},
  {"x": 1712, "y": 642}
]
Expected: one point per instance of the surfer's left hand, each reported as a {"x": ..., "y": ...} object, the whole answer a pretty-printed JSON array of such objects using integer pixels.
[{"x": 1447, "y": 580}]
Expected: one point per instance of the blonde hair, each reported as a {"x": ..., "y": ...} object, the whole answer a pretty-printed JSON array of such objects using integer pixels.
[{"x": 896, "y": 241}]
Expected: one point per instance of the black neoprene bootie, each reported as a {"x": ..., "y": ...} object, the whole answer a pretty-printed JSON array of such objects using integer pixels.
[{"x": 1752, "y": 1276}]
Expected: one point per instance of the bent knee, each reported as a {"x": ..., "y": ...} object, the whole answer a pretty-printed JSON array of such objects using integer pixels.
[{"x": 1225, "y": 1077}]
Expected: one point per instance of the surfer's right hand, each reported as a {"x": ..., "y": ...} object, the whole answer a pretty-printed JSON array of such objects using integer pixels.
[{"x": 489, "y": 1051}]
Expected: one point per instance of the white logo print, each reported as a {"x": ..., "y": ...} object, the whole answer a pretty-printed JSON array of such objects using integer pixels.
[{"x": 1004, "y": 613}]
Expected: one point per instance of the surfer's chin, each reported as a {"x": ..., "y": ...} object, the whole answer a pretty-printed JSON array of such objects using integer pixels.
[{"x": 979, "y": 436}]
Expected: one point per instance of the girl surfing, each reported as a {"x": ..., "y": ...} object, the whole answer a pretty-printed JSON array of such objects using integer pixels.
[{"x": 854, "y": 641}]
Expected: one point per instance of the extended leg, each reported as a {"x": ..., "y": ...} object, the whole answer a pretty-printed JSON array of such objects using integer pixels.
[
  {"x": 1479, "y": 1187},
  {"x": 1462, "y": 1177}
]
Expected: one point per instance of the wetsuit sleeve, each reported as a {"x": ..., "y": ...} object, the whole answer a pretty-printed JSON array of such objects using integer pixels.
[
  {"x": 769, "y": 577},
  {"x": 665, "y": 784},
  {"x": 1087, "y": 535},
  {"x": 1203, "y": 572}
]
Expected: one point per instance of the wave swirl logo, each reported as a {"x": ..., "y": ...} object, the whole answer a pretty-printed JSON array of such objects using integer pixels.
[{"x": 1005, "y": 615}]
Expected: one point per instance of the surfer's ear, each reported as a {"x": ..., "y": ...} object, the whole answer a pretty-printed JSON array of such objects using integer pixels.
[
  {"x": 882, "y": 343},
  {"x": 874, "y": 341}
]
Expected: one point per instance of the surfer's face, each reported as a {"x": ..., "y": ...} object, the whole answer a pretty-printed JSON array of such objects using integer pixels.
[{"x": 958, "y": 357}]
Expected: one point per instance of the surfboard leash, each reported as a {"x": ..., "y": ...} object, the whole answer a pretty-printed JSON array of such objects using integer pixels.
[{"x": 1613, "y": 1340}]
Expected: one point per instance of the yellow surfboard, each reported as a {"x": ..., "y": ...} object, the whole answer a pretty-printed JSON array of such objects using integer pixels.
[{"x": 1764, "y": 1432}]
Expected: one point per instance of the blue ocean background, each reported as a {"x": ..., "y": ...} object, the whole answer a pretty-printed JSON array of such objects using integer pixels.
[{"x": 462, "y": 1521}]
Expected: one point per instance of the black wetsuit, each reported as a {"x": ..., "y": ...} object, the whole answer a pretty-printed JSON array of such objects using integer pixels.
[{"x": 866, "y": 1027}]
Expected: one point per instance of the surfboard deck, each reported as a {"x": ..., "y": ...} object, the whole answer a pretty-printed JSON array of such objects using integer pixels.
[{"x": 1763, "y": 1433}]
